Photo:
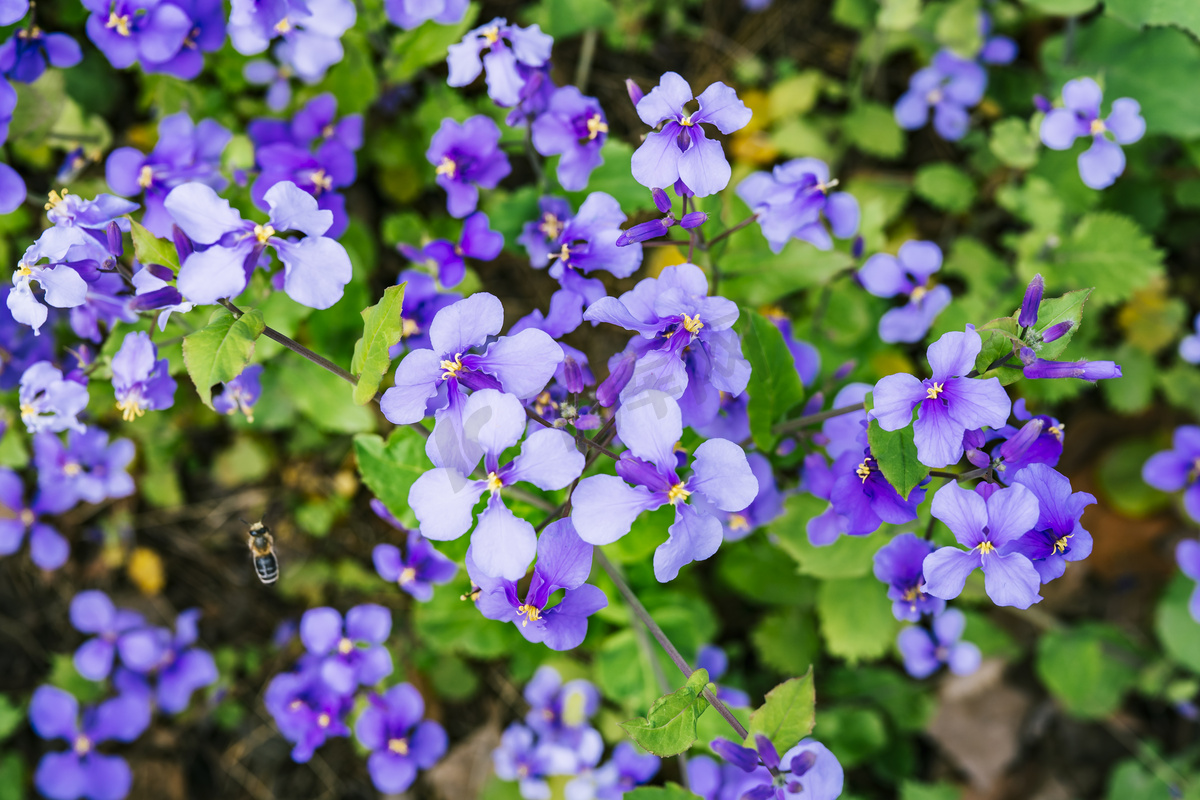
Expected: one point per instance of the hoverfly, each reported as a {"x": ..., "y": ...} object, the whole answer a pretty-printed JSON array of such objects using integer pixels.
[{"x": 262, "y": 547}]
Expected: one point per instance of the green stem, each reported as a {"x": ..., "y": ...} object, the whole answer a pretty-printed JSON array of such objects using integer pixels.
[{"x": 814, "y": 419}]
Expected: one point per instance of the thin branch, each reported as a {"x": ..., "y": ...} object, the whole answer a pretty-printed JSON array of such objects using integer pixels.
[
  {"x": 730, "y": 231},
  {"x": 587, "y": 51},
  {"x": 814, "y": 419}
]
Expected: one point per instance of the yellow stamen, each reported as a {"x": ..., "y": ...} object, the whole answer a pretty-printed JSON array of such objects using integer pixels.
[
  {"x": 398, "y": 746},
  {"x": 327, "y": 131},
  {"x": 564, "y": 255},
  {"x": 772, "y": 312},
  {"x": 551, "y": 226},
  {"x": 678, "y": 494},
  {"x": 55, "y": 199},
  {"x": 27, "y": 411},
  {"x": 263, "y": 232},
  {"x": 283, "y": 26},
  {"x": 738, "y": 523},
  {"x": 130, "y": 408},
  {"x": 492, "y": 34},
  {"x": 863, "y": 471},
  {"x": 345, "y": 646},
  {"x": 918, "y": 293},
  {"x": 83, "y": 745},
  {"x": 494, "y": 484},
  {"x": 409, "y": 327},
  {"x": 692, "y": 324},
  {"x": 447, "y": 167},
  {"x": 686, "y": 122},
  {"x": 934, "y": 97},
  {"x": 1056, "y": 431},
  {"x": 451, "y": 368},
  {"x": 472, "y": 595},
  {"x": 324, "y": 720},
  {"x": 322, "y": 182},
  {"x": 24, "y": 271},
  {"x": 825, "y": 187},
  {"x": 71, "y": 469},
  {"x": 121, "y": 23},
  {"x": 295, "y": 705},
  {"x": 531, "y": 612},
  {"x": 1098, "y": 127},
  {"x": 544, "y": 402},
  {"x": 27, "y": 517},
  {"x": 1060, "y": 545},
  {"x": 407, "y": 575},
  {"x": 933, "y": 391},
  {"x": 985, "y": 548},
  {"x": 596, "y": 126},
  {"x": 145, "y": 177}
]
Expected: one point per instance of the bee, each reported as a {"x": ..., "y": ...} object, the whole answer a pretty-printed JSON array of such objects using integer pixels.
[{"x": 262, "y": 547}]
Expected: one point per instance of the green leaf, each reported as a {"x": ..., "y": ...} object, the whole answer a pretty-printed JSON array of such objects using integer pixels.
[
  {"x": 325, "y": 400},
  {"x": 669, "y": 727},
  {"x": 787, "y": 714},
  {"x": 786, "y": 639},
  {"x": 852, "y": 734},
  {"x": 1110, "y": 252},
  {"x": 563, "y": 18},
  {"x": 1055, "y": 310},
  {"x": 1120, "y": 476},
  {"x": 382, "y": 328},
  {"x": 389, "y": 470},
  {"x": 855, "y": 618},
  {"x": 896, "y": 454},
  {"x": 1000, "y": 341},
  {"x": 775, "y": 386},
  {"x": 149, "y": 249},
  {"x": 872, "y": 129},
  {"x": 1133, "y": 392},
  {"x": 945, "y": 186},
  {"x": 848, "y": 557},
  {"x": 898, "y": 15},
  {"x": 12, "y": 777},
  {"x": 672, "y": 791},
  {"x": 1178, "y": 632},
  {"x": 1015, "y": 143},
  {"x": 1130, "y": 779},
  {"x": 220, "y": 351},
  {"x": 911, "y": 790},
  {"x": 451, "y": 625},
  {"x": 1182, "y": 13},
  {"x": 958, "y": 28},
  {"x": 1063, "y": 8},
  {"x": 1088, "y": 668},
  {"x": 414, "y": 50},
  {"x": 11, "y": 716}
]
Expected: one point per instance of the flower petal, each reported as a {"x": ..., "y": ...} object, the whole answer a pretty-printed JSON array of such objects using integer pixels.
[
  {"x": 946, "y": 571},
  {"x": 443, "y": 502},
  {"x": 1010, "y": 580},
  {"x": 722, "y": 474},
  {"x": 649, "y": 424},
  {"x": 603, "y": 508},
  {"x": 694, "y": 536},
  {"x": 503, "y": 544}
]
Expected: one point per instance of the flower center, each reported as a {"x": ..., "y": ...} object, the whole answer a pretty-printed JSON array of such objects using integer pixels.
[
  {"x": 551, "y": 226},
  {"x": 863, "y": 471},
  {"x": 986, "y": 547},
  {"x": 409, "y": 327},
  {"x": 263, "y": 232},
  {"x": 131, "y": 407},
  {"x": 918, "y": 293},
  {"x": 398, "y": 746},
  {"x": 145, "y": 177},
  {"x": 27, "y": 517},
  {"x": 71, "y": 469},
  {"x": 692, "y": 324},
  {"x": 824, "y": 188},
  {"x": 596, "y": 126},
  {"x": 28, "y": 410},
  {"x": 492, "y": 34},
  {"x": 912, "y": 595},
  {"x": 1056, "y": 431},
  {"x": 934, "y": 97},
  {"x": 531, "y": 613},
  {"x": 283, "y": 26},
  {"x": 452, "y": 368},
  {"x": 494, "y": 484},
  {"x": 564, "y": 255},
  {"x": 345, "y": 646},
  {"x": 322, "y": 181},
  {"x": 737, "y": 522},
  {"x": 1098, "y": 127},
  {"x": 24, "y": 271},
  {"x": 118, "y": 21},
  {"x": 55, "y": 199},
  {"x": 544, "y": 402},
  {"x": 407, "y": 575},
  {"x": 83, "y": 745},
  {"x": 447, "y": 167},
  {"x": 1060, "y": 545},
  {"x": 687, "y": 121},
  {"x": 324, "y": 720},
  {"x": 295, "y": 705},
  {"x": 932, "y": 392},
  {"x": 678, "y": 494}
]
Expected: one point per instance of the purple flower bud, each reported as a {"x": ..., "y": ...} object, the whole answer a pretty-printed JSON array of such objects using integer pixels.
[
  {"x": 573, "y": 375},
  {"x": 643, "y": 231},
  {"x": 635, "y": 92},
  {"x": 857, "y": 247},
  {"x": 183, "y": 245},
  {"x": 1027, "y": 356},
  {"x": 743, "y": 758},
  {"x": 1020, "y": 442},
  {"x": 1042, "y": 104},
  {"x": 1086, "y": 370},
  {"x": 844, "y": 370},
  {"x": 767, "y": 751},
  {"x": 803, "y": 762},
  {"x": 1033, "y": 298},
  {"x": 694, "y": 220},
  {"x": 115, "y": 245},
  {"x": 1057, "y": 331},
  {"x": 661, "y": 201},
  {"x": 608, "y": 391}
]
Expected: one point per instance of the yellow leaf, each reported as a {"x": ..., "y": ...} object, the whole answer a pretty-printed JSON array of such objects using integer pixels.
[{"x": 145, "y": 570}]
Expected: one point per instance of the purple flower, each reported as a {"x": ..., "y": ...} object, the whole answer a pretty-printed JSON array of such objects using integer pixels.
[
  {"x": 713, "y": 780},
  {"x": 306, "y": 710},
  {"x": 140, "y": 379},
  {"x": 573, "y": 374},
  {"x": 277, "y": 79},
  {"x": 863, "y": 498},
  {"x": 1189, "y": 346},
  {"x": 241, "y": 393},
  {"x": 998, "y": 50},
  {"x": 409, "y": 14},
  {"x": 713, "y": 660},
  {"x": 1104, "y": 161},
  {"x": 180, "y": 668},
  {"x": 353, "y": 654},
  {"x": 520, "y": 364},
  {"x": 316, "y": 123},
  {"x": 626, "y": 770},
  {"x": 83, "y": 771},
  {"x": 443, "y": 498},
  {"x": 899, "y": 564},
  {"x": 806, "y": 772},
  {"x": 987, "y": 528},
  {"x": 521, "y": 757},
  {"x": 418, "y": 569},
  {"x": 21, "y": 351},
  {"x": 680, "y": 150},
  {"x": 765, "y": 508},
  {"x": 128, "y": 31},
  {"x": 605, "y": 506},
  {"x": 652, "y": 229},
  {"x": 908, "y": 274},
  {"x": 1046, "y": 448},
  {"x": 391, "y": 727},
  {"x": 105, "y": 303},
  {"x": 575, "y": 245},
  {"x": 1178, "y": 468},
  {"x": 92, "y": 612},
  {"x": 950, "y": 86},
  {"x": 13, "y": 11},
  {"x": 423, "y": 299},
  {"x": 47, "y": 547},
  {"x": 311, "y": 31},
  {"x": 447, "y": 258},
  {"x": 790, "y": 201},
  {"x": 1058, "y": 536},
  {"x": 947, "y": 404},
  {"x": 467, "y": 156},
  {"x": 153, "y": 291},
  {"x": 925, "y": 651},
  {"x": 684, "y": 335},
  {"x": 1187, "y": 554},
  {"x": 24, "y": 57},
  {"x": 184, "y": 152},
  {"x": 564, "y": 561},
  {"x": 510, "y": 47},
  {"x": 49, "y": 402},
  {"x": 559, "y": 713},
  {"x": 86, "y": 468},
  {"x": 206, "y": 34},
  {"x": 63, "y": 287},
  {"x": 574, "y": 127},
  {"x": 316, "y": 269}
]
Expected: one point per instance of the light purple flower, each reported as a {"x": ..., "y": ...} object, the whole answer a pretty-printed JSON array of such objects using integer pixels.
[
  {"x": 48, "y": 402},
  {"x": 1104, "y": 161},
  {"x": 180, "y": 669},
  {"x": 418, "y": 569},
  {"x": 986, "y": 527},
  {"x": 950, "y": 86},
  {"x": 277, "y": 79},
  {"x": 86, "y": 468},
  {"x": 559, "y": 713},
  {"x": 241, "y": 393},
  {"x": 509, "y": 49},
  {"x": 311, "y": 31},
  {"x": 909, "y": 274},
  {"x": 899, "y": 564},
  {"x": 574, "y": 127},
  {"x": 626, "y": 770},
  {"x": 391, "y": 727},
  {"x": 128, "y": 31},
  {"x": 680, "y": 150},
  {"x": 25, "y": 56},
  {"x": 947, "y": 403},
  {"x": 521, "y": 757},
  {"x": 316, "y": 269},
  {"x": 1187, "y": 555},
  {"x": 809, "y": 771},
  {"x": 925, "y": 651},
  {"x": 140, "y": 379},
  {"x": 713, "y": 780},
  {"x": 791, "y": 200},
  {"x": 1037, "y": 368},
  {"x": 447, "y": 259},
  {"x": 63, "y": 287},
  {"x": 351, "y": 655},
  {"x": 1178, "y": 468},
  {"x": 306, "y": 710},
  {"x": 13, "y": 11},
  {"x": 1189, "y": 346},
  {"x": 83, "y": 771},
  {"x": 465, "y": 157},
  {"x": 409, "y": 14},
  {"x": 47, "y": 547},
  {"x": 93, "y": 612},
  {"x": 603, "y": 507},
  {"x": 1058, "y": 536},
  {"x": 443, "y": 498}
]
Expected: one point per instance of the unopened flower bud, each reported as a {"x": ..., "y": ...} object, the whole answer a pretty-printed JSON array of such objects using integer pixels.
[
  {"x": 1057, "y": 331},
  {"x": 1020, "y": 442},
  {"x": 635, "y": 92},
  {"x": 694, "y": 220},
  {"x": 1033, "y": 299},
  {"x": 661, "y": 201}
]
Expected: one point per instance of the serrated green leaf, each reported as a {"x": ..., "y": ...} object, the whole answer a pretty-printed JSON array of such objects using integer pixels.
[
  {"x": 1055, "y": 310},
  {"x": 787, "y": 714},
  {"x": 149, "y": 249},
  {"x": 855, "y": 619},
  {"x": 1088, "y": 668},
  {"x": 896, "y": 454},
  {"x": 958, "y": 28},
  {"x": 848, "y": 557},
  {"x": 389, "y": 470},
  {"x": 945, "y": 186},
  {"x": 775, "y": 386},
  {"x": 382, "y": 328},
  {"x": 1014, "y": 143},
  {"x": 1000, "y": 342},
  {"x": 872, "y": 128},
  {"x": 220, "y": 351},
  {"x": 1177, "y": 631},
  {"x": 669, "y": 727},
  {"x": 1110, "y": 252},
  {"x": 1182, "y": 13},
  {"x": 1063, "y": 8},
  {"x": 672, "y": 791}
]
